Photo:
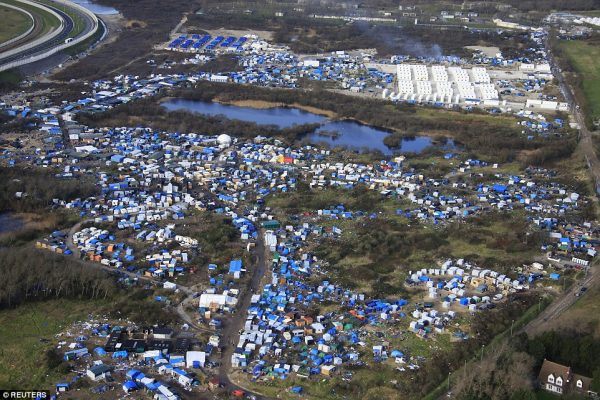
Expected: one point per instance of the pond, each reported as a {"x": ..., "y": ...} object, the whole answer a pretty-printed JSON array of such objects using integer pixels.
[
  {"x": 282, "y": 117},
  {"x": 346, "y": 133},
  {"x": 96, "y": 8},
  {"x": 10, "y": 223},
  {"x": 353, "y": 135}
]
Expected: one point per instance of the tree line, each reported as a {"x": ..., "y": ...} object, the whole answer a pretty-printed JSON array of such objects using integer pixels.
[
  {"x": 38, "y": 187},
  {"x": 576, "y": 349},
  {"x": 30, "y": 275},
  {"x": 558, "y": 5}
]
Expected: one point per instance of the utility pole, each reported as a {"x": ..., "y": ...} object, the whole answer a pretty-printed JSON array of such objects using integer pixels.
[
  {"x": 482, "y": 347},
  {"x": 512, "y": 324}
]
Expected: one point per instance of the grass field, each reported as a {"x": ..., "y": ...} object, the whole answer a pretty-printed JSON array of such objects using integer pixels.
[
  {"x": 14, "y": 23},
  {"x": 584, "y": 56},
  {"x": 48, "y": 21},
  {"x": 592, "y": 13},
  {"x": 543, "y": 395},
  {"x": 23, "y": 335}
]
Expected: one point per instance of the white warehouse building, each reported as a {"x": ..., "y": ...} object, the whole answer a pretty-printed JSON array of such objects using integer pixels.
[{"x": 447, "y": 85}]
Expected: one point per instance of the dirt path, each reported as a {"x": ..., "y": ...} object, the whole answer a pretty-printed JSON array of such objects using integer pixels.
[
  {"x": 185, "y": 317},
  {"x": 179, "y": 309},
  {"x": 231, "y": 334},
  {"x": 177, "y": 27}
]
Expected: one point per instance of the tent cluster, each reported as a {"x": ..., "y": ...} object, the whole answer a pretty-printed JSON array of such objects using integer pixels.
[
  {"x": 281, "y": 336},
  {"x": 434, "y": 199},
  {"x": 144, "y": 358},
  {"x": 99, "y": 245},
  {"x": 570, "y": 240},
  {"x": 161, "y": 172}
]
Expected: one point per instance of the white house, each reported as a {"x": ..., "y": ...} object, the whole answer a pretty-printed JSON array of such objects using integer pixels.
[{"x": 98, "y": 372}]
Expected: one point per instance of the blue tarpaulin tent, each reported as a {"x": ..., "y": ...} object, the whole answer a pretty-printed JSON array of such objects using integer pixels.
[
  {"x": 100, "y": 351},
  {"x": 499, "y": 188},
  {"x": 128, "y": 386}
]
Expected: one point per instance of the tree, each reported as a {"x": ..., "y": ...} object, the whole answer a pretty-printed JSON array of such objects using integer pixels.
[
  {"x": 596, "y": 380},
  {"x": 537, "y": 349},
  {"x": 523, "y": 394}
]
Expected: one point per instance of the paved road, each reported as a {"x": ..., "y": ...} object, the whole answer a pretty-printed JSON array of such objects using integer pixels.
[
  {"x": 36, "y": 30},
  {"x": 185, "y": 317},
  {"x": 40, "y": 34},
  {"x": 562, "y": 303}
]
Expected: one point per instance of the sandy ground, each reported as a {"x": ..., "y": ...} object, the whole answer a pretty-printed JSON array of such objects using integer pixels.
[
  {"x": 260, "y": 104},
  {"x": 387, "y": 68},
  {"x": 264, "y": 35},
  {"x": 489, "y": 51},
  {"x": 29, "y": 141},
  {"x": 511, "y": 74}
]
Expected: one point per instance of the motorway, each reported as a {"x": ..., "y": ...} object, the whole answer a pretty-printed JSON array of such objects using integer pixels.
[
  {"x": 562, "y": 303},
  {"x": 54, "y": 41},
  {"x": 233, "y": 324},
  {"x": 592, "y": 277},
  {"x": 42, "y": 47}
]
